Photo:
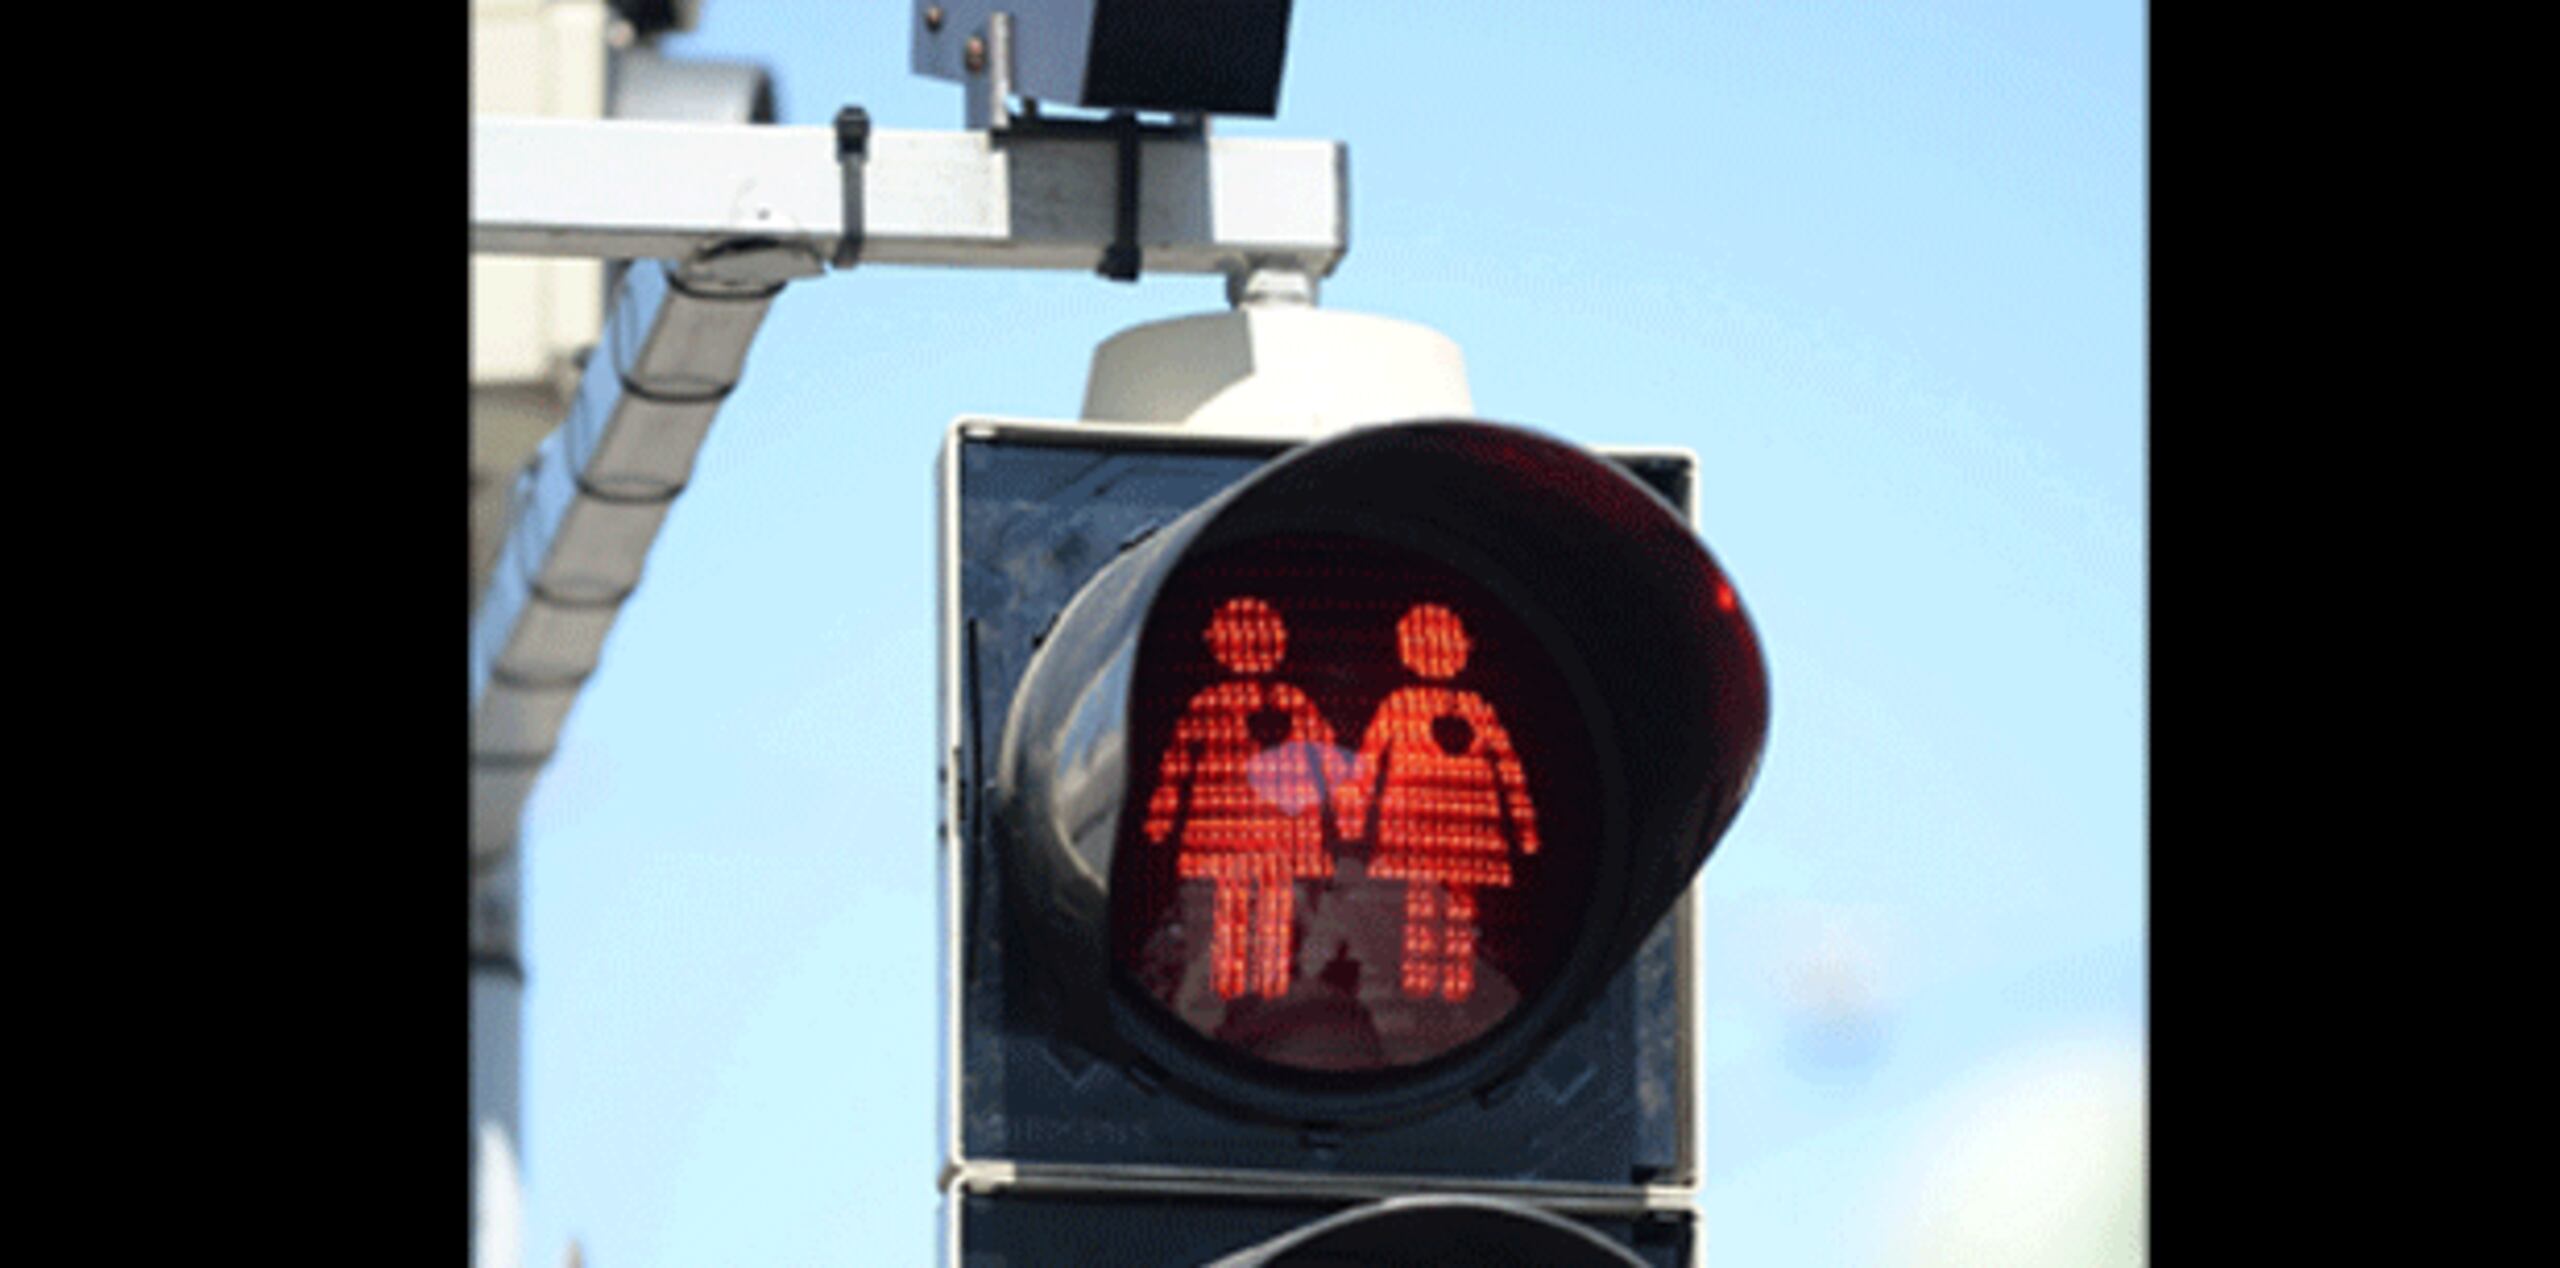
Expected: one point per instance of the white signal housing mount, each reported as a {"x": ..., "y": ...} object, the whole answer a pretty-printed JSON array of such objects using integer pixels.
[{"x": 1277, "y": 367}]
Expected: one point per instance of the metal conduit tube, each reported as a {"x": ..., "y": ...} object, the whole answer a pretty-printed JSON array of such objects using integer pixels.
[
  {"x": 580, "y": 522},
  {"x": 584, "y": 513}
]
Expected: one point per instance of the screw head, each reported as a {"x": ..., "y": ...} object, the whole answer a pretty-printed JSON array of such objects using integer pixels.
[{"x": 974, "y": 54}]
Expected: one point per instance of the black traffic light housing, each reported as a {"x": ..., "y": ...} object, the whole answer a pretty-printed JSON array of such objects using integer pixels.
[
  {"x": 1650, "y": 636},
  {"x": 1057, "y": 541}
]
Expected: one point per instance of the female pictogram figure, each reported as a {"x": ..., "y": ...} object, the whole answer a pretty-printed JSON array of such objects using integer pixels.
[
  {"x": 1243, "y": 788},
  {"x": 1451, "y": 800}
]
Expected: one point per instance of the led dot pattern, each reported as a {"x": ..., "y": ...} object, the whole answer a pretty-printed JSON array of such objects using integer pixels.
[{"x": 1369, "y": 824}]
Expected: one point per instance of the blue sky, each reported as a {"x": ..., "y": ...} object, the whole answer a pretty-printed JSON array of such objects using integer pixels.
[{"x": 1880, "y": 266}]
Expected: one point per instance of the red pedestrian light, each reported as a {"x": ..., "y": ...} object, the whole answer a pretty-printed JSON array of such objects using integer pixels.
[
  {"x": 1344, "y": 793},
  {"x": 1343, "y": 865},
  {"x": 1320, "y": 818}
]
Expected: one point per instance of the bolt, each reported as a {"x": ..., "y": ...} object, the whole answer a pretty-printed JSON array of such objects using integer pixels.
[
  {"x": 974, "y": 54},
  {"x": 933, "y": 17}
]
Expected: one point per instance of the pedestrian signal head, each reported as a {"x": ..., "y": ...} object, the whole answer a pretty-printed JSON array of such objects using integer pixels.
[{"x": 1333, "y": 798}]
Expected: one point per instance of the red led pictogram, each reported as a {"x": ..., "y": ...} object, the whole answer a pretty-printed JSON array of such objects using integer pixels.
[
  {"x": 1336, "y": 862},
  {"x": 1445, "y": 799},
  {"x": 1242, "y": 790}
]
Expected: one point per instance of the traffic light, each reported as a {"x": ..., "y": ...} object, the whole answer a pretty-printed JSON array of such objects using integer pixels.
[{"x": 1321, "y": 815}]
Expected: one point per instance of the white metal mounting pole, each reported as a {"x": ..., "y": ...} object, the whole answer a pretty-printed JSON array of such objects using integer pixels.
[{"x": 1033, "y": 200}]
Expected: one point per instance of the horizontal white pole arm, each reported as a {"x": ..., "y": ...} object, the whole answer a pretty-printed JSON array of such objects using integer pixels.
[{"x": 626, "y": 189}]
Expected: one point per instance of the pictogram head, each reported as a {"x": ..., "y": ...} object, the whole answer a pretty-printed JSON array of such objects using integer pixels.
[
  {"x": 1432, "y": 641},
  {"x": 1246, "y": 635}
]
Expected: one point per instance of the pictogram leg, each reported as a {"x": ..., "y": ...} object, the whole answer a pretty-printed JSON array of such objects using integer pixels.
[
  {"x": 1227, "y": 938},
  {"x": 1458, "y": 944},
  {"x": 1271, "y": 959},
  {"x": 1421, "y": 941}
]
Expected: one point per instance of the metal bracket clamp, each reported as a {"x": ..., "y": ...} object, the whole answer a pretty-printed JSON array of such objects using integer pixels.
[
  {"x": 989, "y": 59},
  {"x": 1120, "y": 259},
  {"x": 1122, "y": 256},
  {"x": 853, "y": 150}
]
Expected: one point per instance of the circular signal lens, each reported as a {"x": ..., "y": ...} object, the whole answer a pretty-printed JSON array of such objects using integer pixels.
[{"x": 1362, "y": 824}]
